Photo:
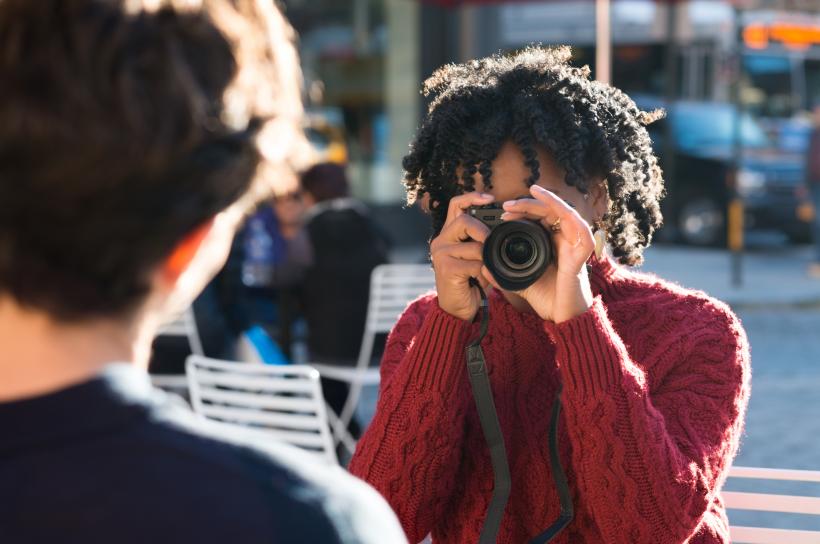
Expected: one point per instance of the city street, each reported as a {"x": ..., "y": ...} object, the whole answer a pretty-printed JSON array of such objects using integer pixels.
[{"x": 782, "y": 424}]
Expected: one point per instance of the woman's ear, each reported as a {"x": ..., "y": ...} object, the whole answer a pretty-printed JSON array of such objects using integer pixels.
[
  {"x": 184, "y": 252},
  {"x": 600, "y": 198}
]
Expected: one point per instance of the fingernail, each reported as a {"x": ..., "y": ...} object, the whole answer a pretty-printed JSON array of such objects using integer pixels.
[
  {"x": 510, "y": 204},
  {"x": 539, "y": 189},
  {"x": 505, "y": 216},
  {"x": 486, "y": 195}
]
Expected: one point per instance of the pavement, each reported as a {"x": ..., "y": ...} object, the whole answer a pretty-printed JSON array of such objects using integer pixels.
[{"x": 771, "y": 275}]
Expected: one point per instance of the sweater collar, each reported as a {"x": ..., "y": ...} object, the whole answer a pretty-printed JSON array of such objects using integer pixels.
[
  {"x": 119, "y": 393},
  {"x": 602, "y": 273}
]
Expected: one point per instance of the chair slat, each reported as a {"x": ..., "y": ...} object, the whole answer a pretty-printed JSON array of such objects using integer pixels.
[
  {"x": 257, "y": 400},
  {"x": 766, "y": 502},
  {"x": 253, "y": 382},
  {"x": 240, "y": 368},
  {"x": 775, "y": 474},
  {"x": 285, "y": 402},
  {"x": 771, "y": 502},
  {"x": 368, "y": 376},
  {"x": 279, "y": 421},
  {"x": 759, "y": 535}
]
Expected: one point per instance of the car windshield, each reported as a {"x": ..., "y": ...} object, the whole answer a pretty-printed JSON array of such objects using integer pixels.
[{"x": 712, "y": 126}]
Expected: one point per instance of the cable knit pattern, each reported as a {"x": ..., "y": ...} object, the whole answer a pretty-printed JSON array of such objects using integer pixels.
[{"x": 656, "y": 382}]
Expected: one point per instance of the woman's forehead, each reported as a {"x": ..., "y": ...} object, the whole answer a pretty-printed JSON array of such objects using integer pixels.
[{"x": 510, "y": 173}]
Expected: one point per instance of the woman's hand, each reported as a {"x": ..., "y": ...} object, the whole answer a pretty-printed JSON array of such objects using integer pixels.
[
  {"x": 456, "y": 256},
  {"x": 563, "y": 292}
]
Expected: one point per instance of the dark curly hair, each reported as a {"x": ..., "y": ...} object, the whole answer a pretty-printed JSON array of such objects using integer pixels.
[{"x": 535, "y": 98}]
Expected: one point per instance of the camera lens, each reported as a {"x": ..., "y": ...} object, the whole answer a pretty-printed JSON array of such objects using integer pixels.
[{"x": 518, "y": 252}]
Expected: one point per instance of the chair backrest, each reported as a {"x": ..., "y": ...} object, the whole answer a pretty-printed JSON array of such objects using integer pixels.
[
  {"x": 392, "y": 288},
  {"x": 286, "y": 401},
  {"x": 184, "y": 324},
  {"x": 770, "y": 502}
]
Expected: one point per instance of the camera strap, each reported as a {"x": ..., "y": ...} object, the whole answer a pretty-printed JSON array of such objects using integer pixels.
[{"x": 490, "y": 426}]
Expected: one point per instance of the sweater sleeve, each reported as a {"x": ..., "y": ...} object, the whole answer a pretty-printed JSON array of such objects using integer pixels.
[
  {"x": 649, "y": 463},
  {"x": 411, "y": 450}
]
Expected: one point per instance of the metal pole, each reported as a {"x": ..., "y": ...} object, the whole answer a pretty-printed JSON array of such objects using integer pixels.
[
  {"x": 735, "y": 210},
  {"x": 467, "y": 32},
  {"x": 670, "y": 95},
  {"x": 603, "y": 42},
  {"x": 361, "y": 25}
]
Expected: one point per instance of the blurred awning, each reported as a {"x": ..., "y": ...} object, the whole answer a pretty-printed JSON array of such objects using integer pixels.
[
  {"x": 603, "y": 38},
  {"x": 456, "y": 3}
]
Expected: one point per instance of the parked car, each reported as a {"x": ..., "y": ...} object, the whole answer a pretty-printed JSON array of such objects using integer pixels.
[
  {"x": 770, "y": 179},
  {"x": 324, "y": 129}
]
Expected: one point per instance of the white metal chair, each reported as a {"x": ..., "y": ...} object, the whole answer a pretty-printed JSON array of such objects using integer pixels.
[
  {"x": 283, "y": 400},
  {"x": 769, "y": 502},
  {"x": 392, "y": 288},
  {"x": 181, "y": 325}
]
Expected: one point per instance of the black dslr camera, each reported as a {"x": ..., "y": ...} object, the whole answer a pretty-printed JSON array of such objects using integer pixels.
[{"x": 517, "y": 252}]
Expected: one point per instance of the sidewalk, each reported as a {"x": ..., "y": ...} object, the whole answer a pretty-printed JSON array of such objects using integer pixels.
[
  {"x": 774, "y": 276},
  {"x": 770, "y": 277}
]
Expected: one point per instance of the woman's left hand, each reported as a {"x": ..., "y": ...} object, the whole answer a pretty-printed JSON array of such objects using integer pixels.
[{"x": 563, "y": 292}]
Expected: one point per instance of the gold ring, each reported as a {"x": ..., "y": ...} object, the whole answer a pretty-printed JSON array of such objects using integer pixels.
[{"x": 556, "y": 225}]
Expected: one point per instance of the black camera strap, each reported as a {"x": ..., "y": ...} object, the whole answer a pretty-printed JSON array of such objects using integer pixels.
[{"x": 487, "y": 415}]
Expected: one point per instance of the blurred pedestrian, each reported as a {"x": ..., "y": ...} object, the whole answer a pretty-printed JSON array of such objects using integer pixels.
[
  {"x": 130, "y": 138},
  {"x": 813, "y": 181},
  {"x": 652, "y": 379},
  {"x": 346, "y": 245}
]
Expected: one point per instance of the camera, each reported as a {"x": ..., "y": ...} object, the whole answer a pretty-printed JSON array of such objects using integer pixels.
[{"x": 517, "y": 252}]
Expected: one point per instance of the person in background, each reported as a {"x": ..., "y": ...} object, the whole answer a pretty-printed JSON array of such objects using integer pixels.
[
  {"x": 257, "y": 286},
  {"x": 346, "y": 245},
  {"x": 131, "y": 134},
  {"x": 813, "y": 182}
]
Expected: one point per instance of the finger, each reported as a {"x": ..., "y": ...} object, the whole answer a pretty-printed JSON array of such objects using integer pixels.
[
  {"x": 482, "y": 281},
  {"x": 467, "y": 251},
  {"x": 576, "y": 232},
  {"x": 520, "y": 216},
  {"x": 488, "y": 277},
  {"x": 464, "y": 228},
  {"x": 532, "y": 210},
  {"x": 458, "y": 204},
  {"x": 551, "y": 199},
  {"x": 461, "y": 269},
  {"x": 539, "y": 209}
]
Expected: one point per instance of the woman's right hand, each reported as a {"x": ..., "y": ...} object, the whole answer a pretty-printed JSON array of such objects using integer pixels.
[{"x": 457, "y": 256}]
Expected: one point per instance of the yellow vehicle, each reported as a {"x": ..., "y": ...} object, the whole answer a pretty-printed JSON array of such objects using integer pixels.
[{"x": 326, "y": 135}]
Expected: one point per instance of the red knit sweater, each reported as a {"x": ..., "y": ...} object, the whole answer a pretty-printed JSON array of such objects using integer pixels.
[{"x": 656, "y": 382}]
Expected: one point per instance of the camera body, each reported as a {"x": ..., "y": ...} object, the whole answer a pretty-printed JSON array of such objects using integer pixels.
[{"x": 517, "y": 253}]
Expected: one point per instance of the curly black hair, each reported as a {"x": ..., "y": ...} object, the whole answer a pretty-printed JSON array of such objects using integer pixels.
[{"x": 536, "y": 98}]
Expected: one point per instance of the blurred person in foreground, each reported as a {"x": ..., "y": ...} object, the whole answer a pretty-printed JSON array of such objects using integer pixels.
[
  {"x": 655, "y": 377},
  {"x": 346, "y": 245},
  {"x": 813, "y": 181},
  {"x": 131, "y": 135}
]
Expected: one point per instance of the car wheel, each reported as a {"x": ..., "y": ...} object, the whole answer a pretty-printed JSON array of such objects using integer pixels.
[
  {"x": 702, "y": 222},
  {"x": 800, "y": 236}
]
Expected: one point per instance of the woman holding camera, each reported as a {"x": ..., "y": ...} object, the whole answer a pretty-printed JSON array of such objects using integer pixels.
[{"x": 653, "y": 378}]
